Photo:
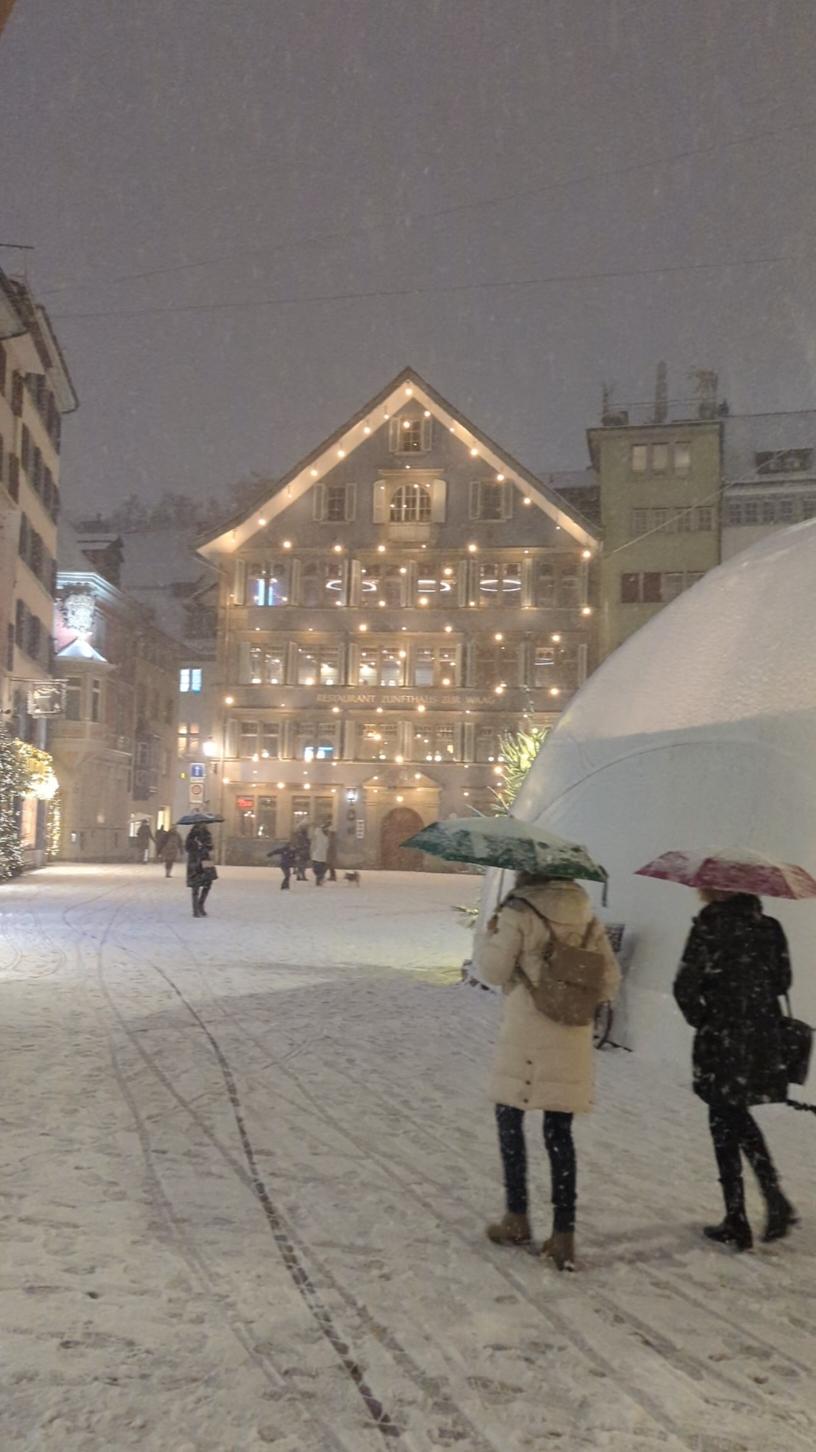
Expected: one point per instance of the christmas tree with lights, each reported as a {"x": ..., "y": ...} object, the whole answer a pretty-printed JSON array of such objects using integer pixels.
[{"x": 13, "y": 783}]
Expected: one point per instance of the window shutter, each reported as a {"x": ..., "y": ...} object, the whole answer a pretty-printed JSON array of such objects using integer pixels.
[
  {"x": 379, "y": 513},
  {"x": 439, "y": 491},
  {"x": 239, "y": 583},
  {"x": 509, "y": 491},
  {"x": 475, "y": 490},
  {"x": 427, "y": 433},
  {"x": 355, "y": 583},
  {"x": 319, "y": 501},
  {"x": 393, "y": 435},
  {"x": 351, "y": 502},
  {"x": 231, "y": 738}
]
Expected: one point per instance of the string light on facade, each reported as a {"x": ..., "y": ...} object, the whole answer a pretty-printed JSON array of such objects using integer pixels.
[
  {"x": 313, "y": 473},
  {"x": 380, "y": 549},
  {"x": 498, "y": 635},
  {"x": 262, "y": 522},
  {"x": 421, "y": 709},
  {"x": 341, "y": 453},
  {"x": 586, "y": 554},
  {"x": 229, "y": 700},
  {"x": 586, "y": 609},
  {"x": 287, "y": 544},
  {"x": 338, "y": 549},
  {"x": 474, "y": 453},
  {"x": 472, "y": 548},
  {"x": 363, "y": 627},
  {"x": 555, "y": 691},
  {"x": 448, "y": 629},
  {"x": 527, "y": 499}
]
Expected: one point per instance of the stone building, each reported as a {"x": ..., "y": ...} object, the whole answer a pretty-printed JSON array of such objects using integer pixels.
[
  {"x": 114, "y": 746},
  {"x": 659, "y": 472},
  {"x": 769, "y": 469},
  {"x": 35, "y": 394},
  {"x": 403, "y": 596}
]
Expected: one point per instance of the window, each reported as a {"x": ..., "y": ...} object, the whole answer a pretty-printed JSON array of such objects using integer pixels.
[
  {"x": 24, "y": 544},
  {"x": 301, "y": 812},
  {"x": 190, "y": 679},
  {"x": 410, "y": 504},
  {"x": 682, "y": 459},
  {"x": 319, "y": 666},
  {"x": 34, "y": 636},
  {"x": 410, "y": 435},
  {"x": 660, "y": 458},
  {"x": 435, "y": 584},
  {"x": 377, "y": 740},
  {"x": 640, "y": 522},
  {"x": 499, "y": 584},
  {"x": 189, "y": 738},
  {"x": 261, "y": 666},
  {"x": 248, "y": 739},
  {"x": 435, "y": 743},
  {"x": 381, "y": 666},
  {"x": 487, "y": 742},
  {"x": 705, "y": 518},
  {"x": 266, "y": 819},
  {"x": 652, "y": 588},
  {"x": 169, "y": 711},
  {"x": 544, "y": 666},
  {"x": 335, "y": 503},
  {"x": 640, "y": 458},
  {"x": 809, "y": 506},
  {"x": 316, "y": 740},
  {"x": 784, "y": 461},
  {"x": 386, "y": 584},
  {"x": 321, "y": 584},
  {"x": 96, "y": 699},
  {"x": 672, "y": 585},
  {"x": 73, "y": 698},
  {"x": 496, "y": 664},
  {"x": 268, "y": 583},
  {"x": 245, "y": 814},
  {"x": 269, "y": 740},
  {"x": 750, "y": 511},
  {"x": 785, "y": 510},
  {"x": 544, "y": 583},
  {"x": 435, "y": 666},
  {"x": 490, "y": 500}
]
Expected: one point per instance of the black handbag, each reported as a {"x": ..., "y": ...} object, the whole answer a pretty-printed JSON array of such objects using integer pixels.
[{"x": 796, "y": 1040}]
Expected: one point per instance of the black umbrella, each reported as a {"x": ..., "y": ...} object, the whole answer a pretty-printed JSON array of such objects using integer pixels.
[{"x": 198, "y": 819}]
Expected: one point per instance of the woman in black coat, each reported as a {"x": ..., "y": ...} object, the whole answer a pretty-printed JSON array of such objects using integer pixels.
[
  {"x": 201, "y": 873},
  {"x": 733, "y": 971}
]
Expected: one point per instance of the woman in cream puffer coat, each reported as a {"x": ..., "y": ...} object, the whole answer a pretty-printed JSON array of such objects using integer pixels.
[{"x": 540, "y": 1064}]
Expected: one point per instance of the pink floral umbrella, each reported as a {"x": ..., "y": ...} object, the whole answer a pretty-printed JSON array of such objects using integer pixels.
[{"x": 732, "y": 870}]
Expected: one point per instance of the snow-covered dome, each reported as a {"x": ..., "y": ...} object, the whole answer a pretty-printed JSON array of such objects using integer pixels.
[{"x": 699, "y": 731}]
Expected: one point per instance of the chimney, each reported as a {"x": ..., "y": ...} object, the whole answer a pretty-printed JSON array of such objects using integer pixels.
[{"x": 661, "y": 403}]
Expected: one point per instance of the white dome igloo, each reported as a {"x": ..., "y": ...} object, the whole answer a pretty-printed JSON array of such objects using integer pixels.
[{"x": 699, "y": 731}]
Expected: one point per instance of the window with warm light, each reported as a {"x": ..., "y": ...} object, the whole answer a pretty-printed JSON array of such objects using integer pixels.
[
  {"x": 381, "y": 665},
  {"x": 410, "y": 434},
  {"x": 261, "y": 665},
  {"x": 268, "y": 582},
  {"x": 383, "y": 582},
  {"x": 318, "y": 666},
  {"x": 499, "y": 583},
  {"x": 410, "y": 504},
  {"x": 73, "y": 698},
  {"x": 435, "y": 585},
  {"x": 436, "y": 665},
  {"x": 435, "y": 743},
  {"x": 497, "y": 664},
  {"x": 317, "y": 740},
  {"x": 189, "y": 738},
  {"x": 377, "y": 740}
]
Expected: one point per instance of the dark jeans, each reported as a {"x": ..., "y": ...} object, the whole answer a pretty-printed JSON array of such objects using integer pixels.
[
  {"x": 733, "y": 1130},
  {"x": 200, "y": 895},
  {"x": 561, "y": 1151},
  {"x": 319, "y": 870},
  {"x": 168, "y": 867},
  {"x": 287, "y": 873}
]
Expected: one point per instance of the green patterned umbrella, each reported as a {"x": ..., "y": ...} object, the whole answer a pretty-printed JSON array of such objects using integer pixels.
[{"x": 507, "y": 842}]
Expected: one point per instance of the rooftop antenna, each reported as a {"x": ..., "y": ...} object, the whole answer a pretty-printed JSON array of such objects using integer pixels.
[{"x": 661, "y": 403}]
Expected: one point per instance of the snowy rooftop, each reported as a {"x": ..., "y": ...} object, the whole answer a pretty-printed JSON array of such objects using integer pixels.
[{"x": 778, "y": 433}]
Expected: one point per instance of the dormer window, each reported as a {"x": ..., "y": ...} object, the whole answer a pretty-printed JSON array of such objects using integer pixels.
[{"x": 410, "y": 434}]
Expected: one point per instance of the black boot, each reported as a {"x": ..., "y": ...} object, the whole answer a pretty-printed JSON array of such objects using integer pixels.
[
  {"x": 733, "y": 1230},
  {"x": 781, "y": 1216}
]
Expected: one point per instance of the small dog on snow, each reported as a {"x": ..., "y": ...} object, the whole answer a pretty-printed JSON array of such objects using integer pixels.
[{"x": 352, "y": 878}]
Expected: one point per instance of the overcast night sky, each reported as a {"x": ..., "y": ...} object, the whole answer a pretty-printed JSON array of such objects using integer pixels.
[{"x": 303, "y": 148}]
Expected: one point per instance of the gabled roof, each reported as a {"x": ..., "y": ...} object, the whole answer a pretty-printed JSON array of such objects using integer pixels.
[
  {"x": 274, "y": 497},
  {"x": 81, "y": 649}
]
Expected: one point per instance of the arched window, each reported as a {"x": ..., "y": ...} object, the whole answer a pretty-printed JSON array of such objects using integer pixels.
[{"x": 411, "y": 504}]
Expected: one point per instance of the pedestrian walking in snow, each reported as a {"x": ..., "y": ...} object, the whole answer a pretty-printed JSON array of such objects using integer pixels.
[
  {"x": 201, "y": 870},
  {"x": 734, "y": 970},
  {"x": 286, "y": 860},
  {"x": 160, "y": 839},
  {"x": 170, "y": 850},
  {"x": 320, "y": 851},
  {"x": 302, "y": 852},
  {"x": 144, "y": 837},
  {"x": 331, "y": 855},
  {"x": 541, "y": 1063}
]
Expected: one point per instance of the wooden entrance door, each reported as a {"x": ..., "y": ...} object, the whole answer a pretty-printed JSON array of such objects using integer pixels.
[{"x": 399, "y": 823}]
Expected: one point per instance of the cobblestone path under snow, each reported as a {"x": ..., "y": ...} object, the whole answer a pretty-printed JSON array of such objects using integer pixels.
[{"x": 246, "y": 1164}]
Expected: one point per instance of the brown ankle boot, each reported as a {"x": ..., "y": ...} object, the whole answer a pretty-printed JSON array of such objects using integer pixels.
[
  {"x": 512, "y": 1229},
  {"x": 560, "y": 1249}
]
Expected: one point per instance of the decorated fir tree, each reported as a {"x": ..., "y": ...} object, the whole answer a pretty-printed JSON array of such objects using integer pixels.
[
  {"x": 518, "y": 751},
  {"x": 13, "y": 782}
]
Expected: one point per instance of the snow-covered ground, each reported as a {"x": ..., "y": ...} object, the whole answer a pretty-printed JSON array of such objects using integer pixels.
[{"x": 246, "y": 1164}]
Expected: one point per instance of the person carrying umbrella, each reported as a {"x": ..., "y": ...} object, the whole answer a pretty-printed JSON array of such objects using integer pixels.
[
  {"x": 552, "y": 958},
  {"x": 734, "y": 969},
  {"x": 201, "y": 869}
]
